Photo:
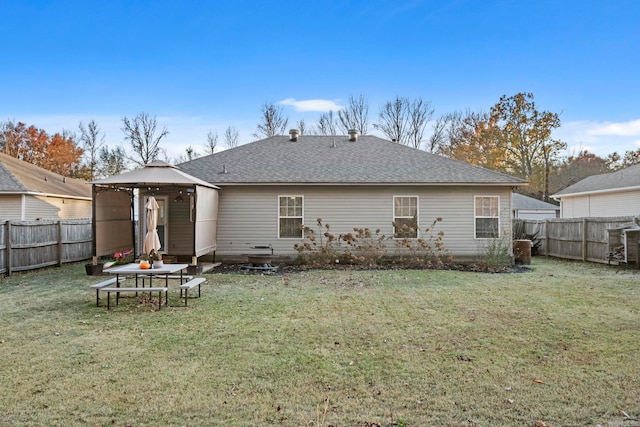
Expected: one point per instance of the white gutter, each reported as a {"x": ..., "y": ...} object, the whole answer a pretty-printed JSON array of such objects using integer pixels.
[{"x": 587, "y": 193}]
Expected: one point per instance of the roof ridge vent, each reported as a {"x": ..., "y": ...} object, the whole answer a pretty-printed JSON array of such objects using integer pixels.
[
  {"x": 294, "y": 135},
  {"x": 353, "y": 135}
]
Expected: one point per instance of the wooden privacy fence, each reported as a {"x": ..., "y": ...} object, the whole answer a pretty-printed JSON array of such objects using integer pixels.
[
  {"x": 586, "y": 239},
  {"x": 27, "y": 245}
]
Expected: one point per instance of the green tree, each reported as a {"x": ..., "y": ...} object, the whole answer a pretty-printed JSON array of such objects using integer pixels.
[
  {"x": 525, "y": 137},
  {"x": 111, "y": 162}
]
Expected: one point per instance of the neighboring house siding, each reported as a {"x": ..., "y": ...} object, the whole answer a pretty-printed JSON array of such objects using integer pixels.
[
  {"x": 11, "y": 207},
  {"x": 39, "y": 208},
  {"x": 70, "y": 208},
  {"x": 624, "y": 203},
  {"x": 248, "y": 216}
]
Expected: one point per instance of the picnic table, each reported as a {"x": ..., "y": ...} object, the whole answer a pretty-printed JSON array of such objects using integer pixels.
[{"x": 134, "y": 269}]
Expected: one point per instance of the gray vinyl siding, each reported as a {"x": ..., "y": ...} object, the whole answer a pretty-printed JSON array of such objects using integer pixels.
[
  {"x": 11, "y": 207},
  {"x": 248, "y": 216}
]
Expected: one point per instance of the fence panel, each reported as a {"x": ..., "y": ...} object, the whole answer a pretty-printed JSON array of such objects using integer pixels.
[
  {"x": 587, "y": 239},
  {"x": 27, "y": 245}
]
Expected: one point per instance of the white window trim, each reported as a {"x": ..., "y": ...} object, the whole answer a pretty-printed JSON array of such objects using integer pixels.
[
  {"x": 280, "y": 217},
  {"x": 393, "y": 214},
  {"x": 475, "y": 234}
]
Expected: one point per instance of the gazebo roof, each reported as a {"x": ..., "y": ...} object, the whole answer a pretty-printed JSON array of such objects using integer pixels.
[{"x": 156, "y": 173}]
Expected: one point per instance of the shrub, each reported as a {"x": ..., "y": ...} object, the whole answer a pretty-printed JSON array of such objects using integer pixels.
[
  {"x": 369, "y": 248},
  {"x": 496, "y": 254},
  {"x": 426, "y": 250}
]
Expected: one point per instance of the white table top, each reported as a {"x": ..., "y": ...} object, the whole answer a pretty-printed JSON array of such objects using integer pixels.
[{"x": 134, "y": 268}]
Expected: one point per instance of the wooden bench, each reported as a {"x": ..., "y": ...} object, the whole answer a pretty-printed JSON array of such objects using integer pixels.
[
  {"x": 198, "y": 281},
  {"x": 118, "y": 291},
  {"x": 160, "y": 277},
  {"x": 104, "y": 284}
]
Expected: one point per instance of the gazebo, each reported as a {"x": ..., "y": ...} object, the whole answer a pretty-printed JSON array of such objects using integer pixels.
[{"x": 188, "y": 212}]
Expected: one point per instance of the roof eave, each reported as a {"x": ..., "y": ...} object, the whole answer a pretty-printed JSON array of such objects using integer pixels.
[
  {"x": 587, "y": 193},
  {"x": 430, "y": 184}
]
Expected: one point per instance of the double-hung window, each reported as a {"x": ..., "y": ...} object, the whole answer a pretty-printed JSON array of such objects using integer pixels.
[
  {"x": 487, "y": 217},
  {"x": 290, "y": 214},
  {"x": 405, "y": 216}
]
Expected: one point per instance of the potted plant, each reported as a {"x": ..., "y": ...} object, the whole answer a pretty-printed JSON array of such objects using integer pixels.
[{"x": 155, "y": 259}]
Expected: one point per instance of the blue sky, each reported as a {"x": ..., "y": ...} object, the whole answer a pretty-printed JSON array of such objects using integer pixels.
[{"x": 205, "y": 65}]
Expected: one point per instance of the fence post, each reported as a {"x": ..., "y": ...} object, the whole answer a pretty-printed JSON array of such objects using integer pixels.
[
  {"x": 8, "y": 247},
  {"x": 585, "y": 224},
  {"x": 547, "y": 244},
  {"x": 59, "y": 243}
]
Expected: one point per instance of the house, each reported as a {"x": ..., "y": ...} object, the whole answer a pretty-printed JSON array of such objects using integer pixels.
[
  {"x": 606, "y": 195},
  {"x": 272, "y": 187},
  {"x": 28, "y": 192},
  {"x": 525, "y": 207}
]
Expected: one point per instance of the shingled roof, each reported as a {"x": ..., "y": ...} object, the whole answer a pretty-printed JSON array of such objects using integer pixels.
[
  {"x": 619, "y": 180},
  {"x": 336, "y": 160},
  {"x": 20, "y": 177},
  {"x": 520, "y": 201}
]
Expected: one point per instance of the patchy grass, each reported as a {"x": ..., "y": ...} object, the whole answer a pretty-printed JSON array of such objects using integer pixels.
[{"x": 558, "y": 346}]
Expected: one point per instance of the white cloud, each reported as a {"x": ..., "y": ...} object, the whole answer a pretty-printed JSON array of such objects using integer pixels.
[
  {"x": 321, "y": 105},
  {"x": 601, "y": 138},
  {"x": 630, "y": 128}
]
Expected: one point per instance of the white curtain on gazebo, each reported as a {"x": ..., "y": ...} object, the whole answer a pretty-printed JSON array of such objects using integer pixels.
[{"x": 151, "y": 240}]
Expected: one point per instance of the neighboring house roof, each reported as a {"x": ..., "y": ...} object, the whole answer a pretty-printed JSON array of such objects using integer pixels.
[
  {"x": 624, "y": 179},
  {"x": 20, "y": 177},
  {"x": 522, "y": 202},
  {"x": 154, "y": 173},
  {"x": 315, "y": 159}
]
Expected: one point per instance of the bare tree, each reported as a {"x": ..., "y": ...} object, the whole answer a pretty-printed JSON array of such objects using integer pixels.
[
  {"x": 92, "y": 142},
  {"x": 273, "y": 121},
  {"x": 405, "y": 121},
  {"x": 327, "y": 124},
  {"x": 212, "y": 142},
  {"x": 420, "y": 114},
  {"x": 231, "y": 137},
  {"x": 393, "y": 120},
  {"x": 141, "y": 133},
  {"x": 302, "y": 127},
  {"x": 438, "y": 139},
  {"x": 355, "y": 115}
]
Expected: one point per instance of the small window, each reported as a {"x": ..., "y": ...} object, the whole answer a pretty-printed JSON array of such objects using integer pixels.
[
  {"x": 405, "y": 216},
  {"x": 487, "y": 217},
  {"x": 290, "y": 214}
]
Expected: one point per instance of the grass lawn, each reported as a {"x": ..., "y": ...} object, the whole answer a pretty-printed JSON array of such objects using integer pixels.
[{"x": 556, "y": 346}]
